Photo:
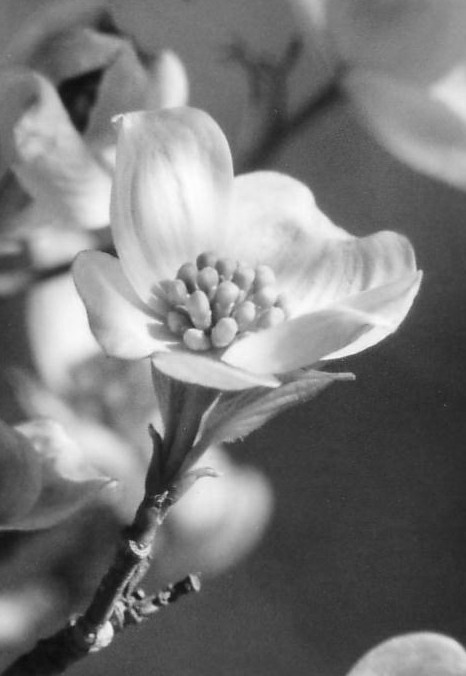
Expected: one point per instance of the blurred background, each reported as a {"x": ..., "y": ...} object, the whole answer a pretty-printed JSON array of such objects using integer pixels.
[{"x": 367, "y": 534}]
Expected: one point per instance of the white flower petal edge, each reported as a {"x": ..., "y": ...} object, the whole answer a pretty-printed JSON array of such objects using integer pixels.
[
  {"x": 192, "y": 368},
  {"x": 168, "y": 82},
  {"x": 171, "y": 190},
  {"x": 46, "y": 152},
  {"x": 358, "y": 323},
  {"x": 121, "y": 324}
]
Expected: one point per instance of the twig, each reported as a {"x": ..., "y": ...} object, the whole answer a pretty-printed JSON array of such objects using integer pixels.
[
  {"x": 139, "y": 607},
  {"x": 117, "y": 603},
  {"x": 53, "y": 655}
]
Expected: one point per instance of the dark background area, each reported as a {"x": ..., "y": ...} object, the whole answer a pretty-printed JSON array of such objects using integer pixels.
[{"x": 368, "y": 535}]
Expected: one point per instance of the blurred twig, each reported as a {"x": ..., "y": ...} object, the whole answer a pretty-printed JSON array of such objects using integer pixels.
[
  {"x": 268, "y": 80},
  {"x": 275, "y": 138}
]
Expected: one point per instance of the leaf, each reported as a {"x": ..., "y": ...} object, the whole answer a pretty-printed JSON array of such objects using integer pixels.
[
  {"x": 236, "y": 415},
  {"x": 65, "y": 482}
]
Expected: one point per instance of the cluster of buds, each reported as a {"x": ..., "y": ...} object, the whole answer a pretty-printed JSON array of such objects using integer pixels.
[{"x": 218, "y": 299}]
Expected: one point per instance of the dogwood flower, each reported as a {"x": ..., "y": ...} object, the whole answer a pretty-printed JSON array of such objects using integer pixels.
[
  {"x": 405, "y": 72},
  {"x": 237, "y": 289},
  {"x": 62, "y": 78},
  {"x": 231, "y": 283}
]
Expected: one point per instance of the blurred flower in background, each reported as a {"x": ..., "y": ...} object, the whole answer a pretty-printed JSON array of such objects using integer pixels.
[
  {"x": 417, "y": 654},
  {"x": 45, "y": 477},
  {"x": 62, "y": 78},
  {"x": 219, "y": 521},
  {"x": 404, "y": 69}
]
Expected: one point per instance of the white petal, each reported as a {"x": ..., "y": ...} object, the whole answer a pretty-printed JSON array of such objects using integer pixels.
[
  {"x": 387, "y": 306},
  {"x": 47, "y": 153},
  {"x": 316, "y": 263},
  {"x": 172, "y": 184},
  {"x": 120, "y": 323},
  {"x": 168, "y": 84},
  {"x": 192, "y": 368},
  {"x": 276, "y": 219},
  {"x": 298, "y": 342},
  {"x": 423, "y": 127}
]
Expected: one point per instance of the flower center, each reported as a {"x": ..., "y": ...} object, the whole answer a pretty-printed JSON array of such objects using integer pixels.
[{"x": 217, "y": 299}]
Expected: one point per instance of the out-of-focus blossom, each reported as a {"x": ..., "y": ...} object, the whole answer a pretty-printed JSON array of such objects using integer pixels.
[
  {"x": 62, "y": 78},
  {"x": 44, "y": 476},
  {"x": 225, "y": 282},
  {"x": 404, "y": 68},
  {"x": 219, "y": 521},
  {"x": 421, "y": 654}
]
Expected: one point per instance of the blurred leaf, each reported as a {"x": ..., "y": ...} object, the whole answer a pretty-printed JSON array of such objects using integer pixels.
[
  {"x": 20, "y": 475},
  {"x": 62, "y": 480}
]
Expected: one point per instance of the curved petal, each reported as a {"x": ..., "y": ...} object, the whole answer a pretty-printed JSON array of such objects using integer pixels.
[
  {"x": 298, "y": 342},
  {"x": 197, "y": 370},
  {"x": 68, "y": 480},
  {"x": 417, "y": 654},
  {"x": 316, "y": 263},
  {"x": 168, "y": 82},
  {"x": 423, "y": 127},
  {"x": 120, "y": 323},
  {"x": 47, "y": 153},
  {"x": 387, "y": 305},
  {"x": 172, "y": 183}
]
